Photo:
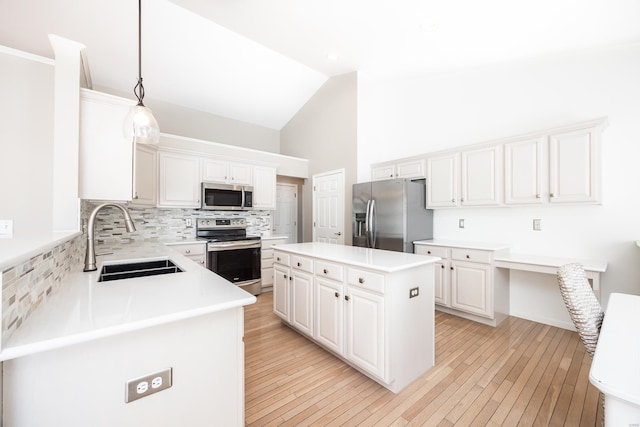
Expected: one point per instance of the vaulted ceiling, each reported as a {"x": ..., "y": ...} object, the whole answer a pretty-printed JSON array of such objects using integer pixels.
[{"x": 259, "y": 61}]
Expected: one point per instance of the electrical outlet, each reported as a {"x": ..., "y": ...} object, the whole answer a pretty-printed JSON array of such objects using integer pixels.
[
  {"x": 6, "y": 228},
  {"x": 137, "y": 388},
  {"x": 413, "y": 292},
  {"x": 537, "y": 224},
  {"x": 188, "y": 222},
  {"x": 461, "y": 223}
]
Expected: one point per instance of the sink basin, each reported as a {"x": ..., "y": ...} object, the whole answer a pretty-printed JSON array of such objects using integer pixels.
[{"x": 137, "y": 269}]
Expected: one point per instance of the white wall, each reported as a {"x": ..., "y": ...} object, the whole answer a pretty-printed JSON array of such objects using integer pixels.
[
  {"x": 429, "y": 113},
  {"x": 178, "y": 120},
  {"x": 324, "y": 131},
  {"x": 26, "y": 144}
]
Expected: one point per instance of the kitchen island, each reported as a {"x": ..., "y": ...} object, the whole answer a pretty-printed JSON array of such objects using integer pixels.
[
  {"x": 68, "y": 364},
  {"x": 374, "y": 309}
]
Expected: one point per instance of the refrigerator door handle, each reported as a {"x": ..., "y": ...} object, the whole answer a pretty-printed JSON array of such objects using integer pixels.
[
  {"x": 372, "y": 223},
  {"x": 367, "y": 224}
]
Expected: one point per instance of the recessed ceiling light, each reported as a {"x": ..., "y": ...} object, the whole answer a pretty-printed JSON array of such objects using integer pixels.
[{"x": 332, "y": 57}]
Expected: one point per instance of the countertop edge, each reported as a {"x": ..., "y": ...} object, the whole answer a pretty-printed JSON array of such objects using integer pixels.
[{"x": 82, "y": 337}]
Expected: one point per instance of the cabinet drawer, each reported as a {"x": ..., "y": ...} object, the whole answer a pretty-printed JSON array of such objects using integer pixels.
[
  {"x": 432, "y": 251},
  {"x": 266, "y": 244},
  {"x": 281, "y": 258},
  {"x": 365, "y": 279},
  {"x": 200, "y": 259},
  {"x": 267, "y": 277},
  {"x": 474, "y": 255},
  {"x": 192, "y": 249},
  {"x": 266, "y": 263},
  {"x": 329, "y": 270},
  {"x": 302, "y": 263},
  {"x": 266, "y": 253}
]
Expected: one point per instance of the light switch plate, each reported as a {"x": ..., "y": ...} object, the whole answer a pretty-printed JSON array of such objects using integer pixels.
[
  {"x": 6, "y": 228},
  {"x": 537, "y": 224},
  {"x": 461, "y": 223}
]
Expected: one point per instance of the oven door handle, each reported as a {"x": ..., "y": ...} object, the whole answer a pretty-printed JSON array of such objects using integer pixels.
[{"x": 240, "y": 245}]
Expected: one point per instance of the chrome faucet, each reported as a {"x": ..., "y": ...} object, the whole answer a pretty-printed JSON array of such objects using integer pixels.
[{"x": 90, "y": 256}]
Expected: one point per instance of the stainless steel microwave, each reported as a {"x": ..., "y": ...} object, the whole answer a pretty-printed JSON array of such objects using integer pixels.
[{"x": 226, "y": 197}]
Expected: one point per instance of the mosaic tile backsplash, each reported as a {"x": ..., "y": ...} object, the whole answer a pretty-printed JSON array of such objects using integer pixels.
[
  {"x": 27, "y": 285},
  {"x": 162, "y": 225}
]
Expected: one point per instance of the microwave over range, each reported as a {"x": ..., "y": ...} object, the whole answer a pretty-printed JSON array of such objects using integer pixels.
[{"x": 226, "y": 197}]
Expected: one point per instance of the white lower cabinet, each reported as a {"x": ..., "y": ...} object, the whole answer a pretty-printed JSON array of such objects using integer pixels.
[
  {"x": 266, "y": 258},
  {"x": 364, "y": 317},
  {"x": 196, "y": 252},
  {"x": 467, "y": 284}
]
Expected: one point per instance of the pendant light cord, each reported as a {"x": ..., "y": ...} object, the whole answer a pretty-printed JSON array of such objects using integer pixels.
[{"x": 138, "y": 90}]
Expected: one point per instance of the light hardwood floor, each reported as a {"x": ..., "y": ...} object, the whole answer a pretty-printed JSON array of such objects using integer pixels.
[{"x": 520, "y": 373}]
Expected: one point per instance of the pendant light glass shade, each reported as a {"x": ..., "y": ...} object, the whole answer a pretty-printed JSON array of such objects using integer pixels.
[
  {"x": 139, "y": 122},
  {"x": 141, "y": 125}
]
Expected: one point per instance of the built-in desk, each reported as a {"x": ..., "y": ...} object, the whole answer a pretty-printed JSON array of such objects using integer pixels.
[
  {"x": 550, "y": 265},
  {"x": 615, "y": 369}
]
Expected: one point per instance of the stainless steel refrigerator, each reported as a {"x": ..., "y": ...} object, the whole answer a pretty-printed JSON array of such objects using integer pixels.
[{"x": 391, "y": 214}]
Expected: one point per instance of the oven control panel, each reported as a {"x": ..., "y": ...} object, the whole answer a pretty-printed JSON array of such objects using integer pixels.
[{"x": 213, "y": 223}]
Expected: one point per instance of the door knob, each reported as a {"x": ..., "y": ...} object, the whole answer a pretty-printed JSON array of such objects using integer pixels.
[{"x": 338, "y": 233}]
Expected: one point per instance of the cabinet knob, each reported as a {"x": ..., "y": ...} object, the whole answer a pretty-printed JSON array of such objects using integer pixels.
[
  {"x": 202, "y": 262},
  {"x": 337, "y": 295},
  {"x": 468, "y": 257},
  {"x": 135, "y": 196},
  {"x": 346, "y": 297},
  {"x": 285, "y": 276},
  {"x": 290, "y": 278},
  {"x": 187, "y": 251},
  {"x": 428, "y": 252},
  {"x": 278, "y": 259},
  {"x": 462, "y": 199},
  {"x": 538, "y": 196},
  {"x": 442, "y": 266},
  {"x": 361, "y": 280},
  {"x": 453, "y": 200},
  {"x": 299, "y": 264},
  {"x": 391, "y": 176},
  {"x": 552, "y": 195},
  {"x": 451, "y": 267},
  {"x": 325, "y": 271}
]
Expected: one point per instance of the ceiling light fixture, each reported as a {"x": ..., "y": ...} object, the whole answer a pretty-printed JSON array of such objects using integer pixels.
[{"x": 139, "y": 122}]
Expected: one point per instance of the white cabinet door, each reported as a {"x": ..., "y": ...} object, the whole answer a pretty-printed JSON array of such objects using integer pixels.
[
  {"x": 240, "y": 173},
  {"x": 106, "y": 156},
  {"x": 442, "y": 181},
  {"x": 329, "y": 311},
  {"x": 146, "y": 184},
  {"x": 179, "y": 180},
  {"x": 441, "y": 285},
  {"x": 379, "y": 173},
  {"x": 471, "y": 288},
  {"x": 214, "y": 170},
  {"x": 574, "y": 166},
  {"x": 281, "y": 291},
  {"x": 365, "y": 330},
  {"x": 524, "y": 166},
  {"x": 302, "y": 301},
  {"x": 411, "y": 169},
  {"x": 264, "y": 187},
  {"x": 482, "y": 177}
]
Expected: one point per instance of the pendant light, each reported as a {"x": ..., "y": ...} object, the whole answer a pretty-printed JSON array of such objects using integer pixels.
[{"x": 140, "y": 123}]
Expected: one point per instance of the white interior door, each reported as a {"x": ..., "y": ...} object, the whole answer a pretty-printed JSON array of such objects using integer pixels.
[
  {"x": 285, "y": 221},
  {"x": 328, "y": 207}
]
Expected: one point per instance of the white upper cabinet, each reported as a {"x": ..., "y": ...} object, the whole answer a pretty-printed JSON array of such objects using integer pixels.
[
  {"x": 407, "y": 169},
  {"x": 442, "y": 181},
  {"x": 146, "y": 183},
  {"x": 264, "y": 187},
  {"x": 574, "y": 159},
  {"x": 524, "y": 167},
  {"x": 481, "y": 176},
  {"x": 223, "y": 171},
  {"x": 106, "y": 156},
  {"x": 179, "y": 180}
]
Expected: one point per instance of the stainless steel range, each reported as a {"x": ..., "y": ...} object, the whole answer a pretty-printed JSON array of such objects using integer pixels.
[{"x": 230, "y": 252}]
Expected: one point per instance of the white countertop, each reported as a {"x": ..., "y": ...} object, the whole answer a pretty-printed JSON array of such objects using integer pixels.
[
  {"x": 84, "y": 309},
  {"x": 552, "y": 261},
  {"x": 274, "y": 237},
  {"x": 487, "y": 246},
  {"x": 374, "y": 259},
  {"x": 15, "y": 250},
  {"x": 615, "y": 368}
]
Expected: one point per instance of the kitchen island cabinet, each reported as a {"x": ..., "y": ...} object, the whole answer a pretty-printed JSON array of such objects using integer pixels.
[
  {"x": 69, "y": 362},
  {"x": 372, "y": 308}
]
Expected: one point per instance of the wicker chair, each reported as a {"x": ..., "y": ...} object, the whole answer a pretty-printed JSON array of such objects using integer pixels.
[{"x": 583, "y": 306}]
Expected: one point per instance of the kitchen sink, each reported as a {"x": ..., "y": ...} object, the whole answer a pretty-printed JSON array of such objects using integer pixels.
[{"x": 137, "y": 269}]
